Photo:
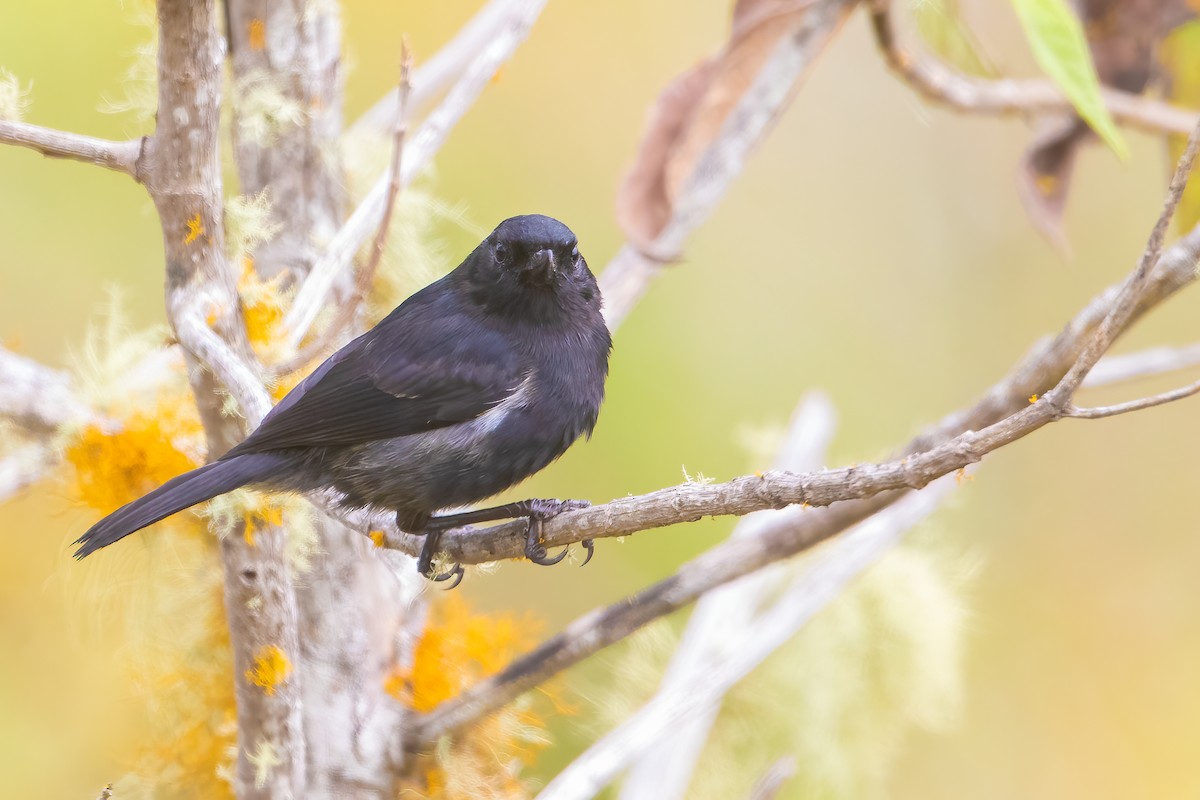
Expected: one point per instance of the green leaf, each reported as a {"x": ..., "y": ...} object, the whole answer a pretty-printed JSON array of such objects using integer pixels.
[{"x": 1056, "y": 37}]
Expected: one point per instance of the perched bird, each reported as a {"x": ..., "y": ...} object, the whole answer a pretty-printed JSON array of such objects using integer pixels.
[{"x": 471, "y": 385}]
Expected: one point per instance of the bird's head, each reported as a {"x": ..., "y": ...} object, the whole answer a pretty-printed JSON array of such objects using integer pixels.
[{"x": 531, "y": 266}]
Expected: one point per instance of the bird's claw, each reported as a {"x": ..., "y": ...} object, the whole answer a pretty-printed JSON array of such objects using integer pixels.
[
  {"x": 540, "y": 511},
  {"x": 456, "y": 572},
  {"x": 590, "y": 546},
  {"x": 538, "y": 555}
]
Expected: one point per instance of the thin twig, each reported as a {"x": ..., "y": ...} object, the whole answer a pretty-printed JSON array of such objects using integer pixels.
[
  {"x": 1004, "y": 96},
  {"x": 1126, "y": 302},
  {"x": 339, "y": 254},
  {"x": 1099, "y": 412},
  {"x": 351, "y": 310},
  {"x": 433, "y": 76},
  {"x": 117, "y": 156}
]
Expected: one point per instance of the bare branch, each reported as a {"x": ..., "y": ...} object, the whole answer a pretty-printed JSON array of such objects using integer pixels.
[
  {"x": 1132, "y": 366},
  {"x": 424, "y": 144},
  {"x": 944, "y": 85},
  {"x": 117, "y": 156},
  {"x": 1005, "y": 412},
  {"x": 351, "y": 309},
  {"x": 745, "y": 643},
  {"x": 1125, "y": 305},
  {"x": 438, "y": 72},
  {"x": 24, "y": 467},
  {"x": 230, "y": 369},
  {"x": 631, "y": 271},
  {"x": 37, "y": 398},
  {"x": 663, "y": 770},
  {"x": 1133, "y": 405}
]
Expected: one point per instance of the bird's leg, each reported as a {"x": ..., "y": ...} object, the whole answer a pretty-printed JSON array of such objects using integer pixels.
[
  {"x": 421, "y": 525},
  {"x": 536, "y": 511}
]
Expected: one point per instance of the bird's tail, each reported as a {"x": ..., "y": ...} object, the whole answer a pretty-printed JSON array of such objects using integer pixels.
[{"x": 179, "y": 493}]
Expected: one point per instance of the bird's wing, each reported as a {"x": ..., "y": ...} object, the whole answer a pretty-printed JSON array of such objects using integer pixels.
[{"x": 415, "y": 372}]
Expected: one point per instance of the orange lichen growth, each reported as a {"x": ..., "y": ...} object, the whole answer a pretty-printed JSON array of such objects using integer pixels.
[
  {"x": 1033, "y": 398},
  {"x": 261, "y": 515},
  {"x": 458, "y": 648},
  {"x": 257, "y": 34},
  {"x": 378, "y": 538},
  {"x": 263, "y": 306},
  {"x": 112, "y": 468},
  {"x": 184, "y": 681},
  {"x": 195, "y": 229},
  {"x": 271, "y": 668},
  {"x": 285, "y": 383}
]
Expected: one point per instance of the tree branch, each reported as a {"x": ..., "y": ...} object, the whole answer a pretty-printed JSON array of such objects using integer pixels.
[
  {"x": 744, "y": 644},
  {"x": 117, "y": 156},
  {"x": 24, "y": 467},
  {"x": 183, "y": 175},
  {"x": 447, "y": 63},
  {"x": 339, "y": 254},
  {"x": 351, "y": 310},
  {"x": 1004, "y": 415},
  {"x": 664, "y": 768},
  {"x": 1132, "y": 366},
  {"x": 37, "y": 398},
  {"x": 944, "y": 85}
]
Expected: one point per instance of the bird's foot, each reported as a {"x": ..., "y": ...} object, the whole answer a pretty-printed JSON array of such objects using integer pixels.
[
  {"x": 456, "y": 572},
  {"x": 538, "y": 512},
  {"x": 425, "y": 561}
]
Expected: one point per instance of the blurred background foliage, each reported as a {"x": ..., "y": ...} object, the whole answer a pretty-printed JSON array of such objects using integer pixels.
[{"x": 1041, "y": 637}]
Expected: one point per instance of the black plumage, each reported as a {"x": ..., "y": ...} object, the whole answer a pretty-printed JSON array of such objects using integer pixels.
[{"x": 471, "y": 385}]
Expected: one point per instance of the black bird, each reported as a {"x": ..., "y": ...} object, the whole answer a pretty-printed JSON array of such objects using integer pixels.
[{"x": 469, "y": 386}]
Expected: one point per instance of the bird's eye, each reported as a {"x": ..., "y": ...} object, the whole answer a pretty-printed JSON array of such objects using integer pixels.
[
  {"x": 575, "y": 253},
  {"x": 502, "y": 253}
]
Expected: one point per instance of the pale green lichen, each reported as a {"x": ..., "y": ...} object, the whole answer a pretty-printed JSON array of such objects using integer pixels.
[
  {"x": 264, "y": 110},
  {"x": 139, "y": 87},
  {"x": 881, "y": 661},
  {"x": 112, "y": 354},
  {"x": 248, "y": 224},
  {"x": 14, "y": 99}
]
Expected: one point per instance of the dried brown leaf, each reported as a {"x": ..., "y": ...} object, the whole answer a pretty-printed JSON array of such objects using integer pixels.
[{"x": 691, "y": 111}]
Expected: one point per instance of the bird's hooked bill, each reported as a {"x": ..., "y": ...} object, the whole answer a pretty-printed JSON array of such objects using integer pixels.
[{"x": 541, "y": 265}]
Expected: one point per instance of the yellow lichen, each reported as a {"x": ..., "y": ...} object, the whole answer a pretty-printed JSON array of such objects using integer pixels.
[
  {"x": 378, "y": 538},
  {"x": 182, "y": 676},
  {"x": 263, "y": 307},
  {"x": 458, "y": 648},
  {"x": 195, "y": 229},
  {"x": 113, "y": 467},
  {"x": 271, "y": 668},
  {"x": 257, "y": 34}
]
